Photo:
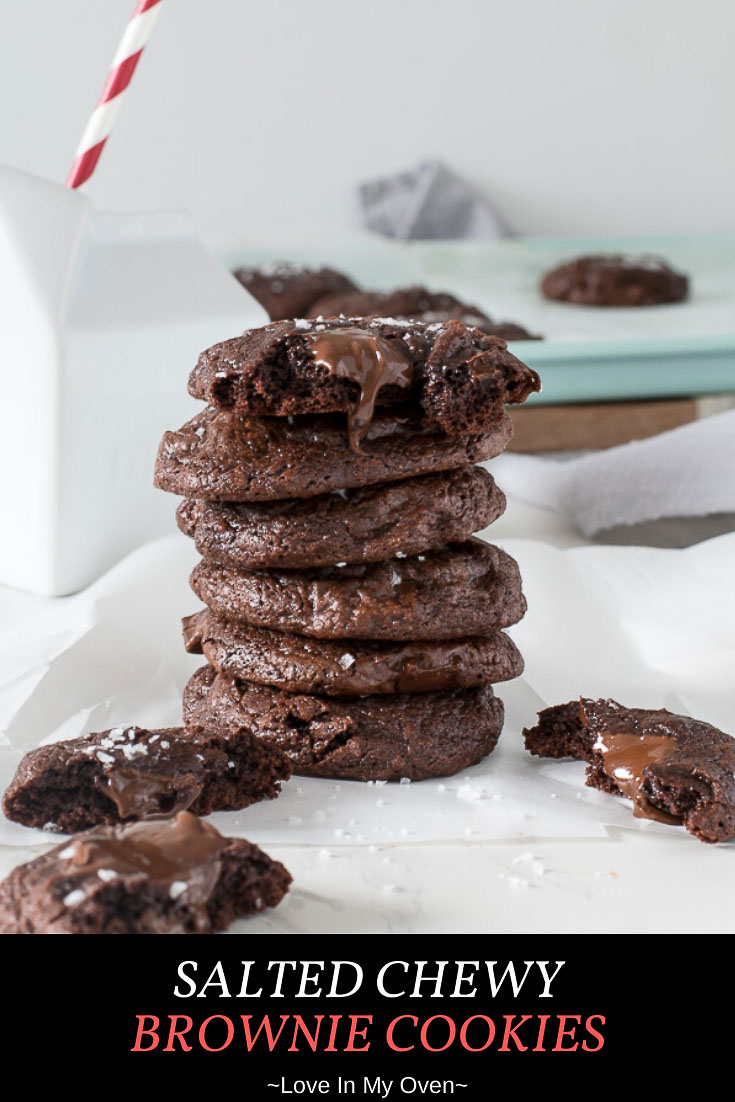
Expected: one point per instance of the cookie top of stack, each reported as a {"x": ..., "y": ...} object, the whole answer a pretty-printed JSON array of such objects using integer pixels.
[{"x": 455, "y": 378}]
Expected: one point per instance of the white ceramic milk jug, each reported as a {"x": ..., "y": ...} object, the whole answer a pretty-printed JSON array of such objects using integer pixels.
[{"x": 102, "y": 316}]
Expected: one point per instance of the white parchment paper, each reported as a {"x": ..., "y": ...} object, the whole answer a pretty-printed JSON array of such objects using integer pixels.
[{"x": 646, "y": 626}]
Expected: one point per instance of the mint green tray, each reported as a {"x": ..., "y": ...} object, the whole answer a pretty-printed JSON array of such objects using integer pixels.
[
  {"x": 589, "y": 353},
  {"x": 596, "y": 353}
]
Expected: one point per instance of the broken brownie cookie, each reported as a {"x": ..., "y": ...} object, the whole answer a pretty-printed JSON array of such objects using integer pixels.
[
  {"x": 129, "y": 773},
  {"x": 161, "y": 876},
  {"x": 674, "y": 769}
]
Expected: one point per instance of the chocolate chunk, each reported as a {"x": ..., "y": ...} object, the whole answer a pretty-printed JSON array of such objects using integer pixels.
[
  {"x": 130, "y": 773},
  {"x": 223, "y": 457},
  {"x": 287, "y": 291},
  {"x": 461, "y": 378},
  {"x": 363, "y": 738},
  {"x": 413, "y": 303},
  {"x": 365, "y": 525},
  {"x": 467, "y": 588},
  {"x": 161, "y": 876},
  {"x": 615, "y": 281},
  {"x": 674, "y": 769},
  {"x": 297, "y": 664}
]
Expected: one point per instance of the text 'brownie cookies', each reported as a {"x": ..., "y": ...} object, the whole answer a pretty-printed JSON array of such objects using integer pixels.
[
  {"x": 615, "y": 281},
  {"x": 674, "y": 769},
  {"x": 352, "y": 621},
  {"x": 170, "y": 876}
]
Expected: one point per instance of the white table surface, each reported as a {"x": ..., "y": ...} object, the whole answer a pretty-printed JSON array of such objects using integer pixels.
[{"x": 361, "y": 875}]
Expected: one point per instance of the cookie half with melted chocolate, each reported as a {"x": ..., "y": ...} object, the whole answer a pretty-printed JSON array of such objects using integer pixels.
[
  {"x": 361, "y": 738},
  {"x": 674, "y": 769},
  {"x": 347, "y": 667},
  {"x": 352, "y": 526},
  {"x": 161, "y": 876},
  {"x": 220, "y": 456},
  {"x": 457, "y": 378},
  {"x": 469, "y": 588},
  {"x": 129, "y": 773}
]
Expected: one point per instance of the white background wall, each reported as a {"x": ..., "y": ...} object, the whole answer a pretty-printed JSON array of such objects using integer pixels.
[{"x": 575, "y": 115}]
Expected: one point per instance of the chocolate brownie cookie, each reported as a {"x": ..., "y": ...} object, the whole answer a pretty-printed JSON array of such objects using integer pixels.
[
  {"x": 674, "y": 769},
  {"x": 130, "y": 773},
  {"x": 223, "y": 457},
  {"x": 161, "y": 876},
  {"x": 297, "y": 664},
  {"x": 399, "y": 599},
  {"x": 615, "y": 281},
  {"x": 363, "y": 738},
  {"x": 365, "y": 525},
  {"x": 457, "y": 377},
  {"x": 286, "y": 291},
  {"x": 413, "y": 303}
]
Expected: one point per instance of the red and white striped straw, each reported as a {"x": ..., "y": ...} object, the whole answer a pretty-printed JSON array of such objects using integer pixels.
[{"x": 121, "y": 72}]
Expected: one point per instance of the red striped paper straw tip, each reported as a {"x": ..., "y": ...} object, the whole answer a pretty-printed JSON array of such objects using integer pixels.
[{"x": 123, "y": 66}]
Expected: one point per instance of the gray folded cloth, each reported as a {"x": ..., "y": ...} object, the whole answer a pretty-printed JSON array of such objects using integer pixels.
[
  {"x": 429, "y": 201},
  {"x": 686, "y": 472}
]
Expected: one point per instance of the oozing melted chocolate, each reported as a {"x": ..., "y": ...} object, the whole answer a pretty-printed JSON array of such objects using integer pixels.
[
  {"x": 182, "y": 852},
  {"x": 370, "y": 361},
  {"x": 140, "y": 794},
  {"x": 625, "y": 757}
]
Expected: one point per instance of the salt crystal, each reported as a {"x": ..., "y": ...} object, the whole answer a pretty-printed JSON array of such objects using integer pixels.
[
  {"x": 134, "y": 750},
  {"x": 107, "y": 874},
  {"x": 347, "y": 660},
  {"x": 177, "y": 888},
  {"x": 77, "y": 896}
]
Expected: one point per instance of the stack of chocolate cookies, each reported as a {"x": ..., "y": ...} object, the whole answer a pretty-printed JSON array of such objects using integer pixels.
[{"x": 351, "y": 619}]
